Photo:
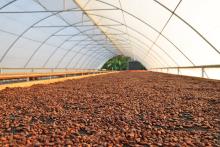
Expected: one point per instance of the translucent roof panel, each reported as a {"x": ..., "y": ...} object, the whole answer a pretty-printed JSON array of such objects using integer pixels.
[
  {"x": 86, "y": 33},
  {"x": 47, "y": 34}
]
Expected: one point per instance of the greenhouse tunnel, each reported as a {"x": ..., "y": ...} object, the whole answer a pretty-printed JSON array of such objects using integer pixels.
[
  {"x": 176, "y": 36},
  {"x": 110, "y": 73}
]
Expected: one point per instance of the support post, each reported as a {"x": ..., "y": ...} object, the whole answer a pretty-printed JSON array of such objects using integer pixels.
[{"x": 203, "y": 72}]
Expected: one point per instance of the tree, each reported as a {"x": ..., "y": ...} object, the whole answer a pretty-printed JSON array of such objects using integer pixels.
[{"x": 117, "y": 63}]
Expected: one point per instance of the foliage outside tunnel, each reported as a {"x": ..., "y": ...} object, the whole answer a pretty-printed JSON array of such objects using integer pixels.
[
  {"x": 117, "y": 63},
  {"x": 122, "y": 63}
]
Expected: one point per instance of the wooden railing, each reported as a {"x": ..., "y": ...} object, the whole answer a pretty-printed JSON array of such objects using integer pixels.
[
  {"x": 30, "y": 74},
  {"x": 40, "y": 70}
]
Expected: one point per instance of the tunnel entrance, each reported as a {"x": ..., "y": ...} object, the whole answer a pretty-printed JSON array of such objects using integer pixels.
[
  {"x": 135, "y": 65},
  {"x": 123, "y": 63},
  {"x": 117, "y": 63}
]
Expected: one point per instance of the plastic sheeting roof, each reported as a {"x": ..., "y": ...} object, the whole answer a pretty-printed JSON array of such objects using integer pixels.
[{"x": 87, "y": 33}]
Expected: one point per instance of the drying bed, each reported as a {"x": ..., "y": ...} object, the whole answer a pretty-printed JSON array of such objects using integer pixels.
[{"x": 119, "y": 109}]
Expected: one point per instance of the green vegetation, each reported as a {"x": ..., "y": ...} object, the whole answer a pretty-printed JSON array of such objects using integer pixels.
[{"x": 117, "y": 63}]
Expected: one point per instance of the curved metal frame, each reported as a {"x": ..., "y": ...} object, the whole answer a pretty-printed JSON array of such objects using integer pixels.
[
  {"x": 20, "y": 36},
  {"x": 44, "y": 42},
  {"x": 148, "y": 25},
  {"x": 97, "y": 63},
  {"x": 96, "y": 58},
  {"x": 25, "y": 31},
  {"x": 89, "y": 57},
  {"x": 70, "y": 61},
  {"x": 76, "y": 27},
  {"x": 71, "y": 50},
  {"x": 100, "y": 54},
  {"x": 90, "y": 61},
  {"x": 172, "y": 13},
  {"x": 62, "y": 43},
  {"x": 9, "y": 3},
  {"x": 121, "y": 37},
  {"x": 145, "y": 36},
  {"x": 190, "y": 26},
  {"x": 146, "y": 44},
  {"x": 137, "y": 33},
  {"x": 103, "y": 62},
  {"x": 158, "y": 55},
  {"x": 76, "y": 55},
  {"x": 54, "y": 13}
]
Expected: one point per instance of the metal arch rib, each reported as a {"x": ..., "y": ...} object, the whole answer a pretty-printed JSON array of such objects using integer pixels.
[
  {"x": 147, "y": 24},
  {"x": 55, "y": 11},
  {"x": 66, "y": 21},
  {"x": 95, "y": 63},
  {"x": 83, "y": 60},
  {"x": 80, "y": 53},
  {"x": 10, "y": 47},
  {"x": 141, "y": 51},
  {"x": 71, "y": 59},
  {"x": 75, "y": 45},
  {"x": 124, "y": 24},
  {"x": 63, "y": 42},
  {"x": 190, "y": 26},
  {"x": 145, "y": 44},
  {"x": 167, "y": 22},
  {"x": 94, "y": 60},
  {"x": 66, "y": 55},
  {"x": 75, "y": 55},
  {"x": 25, "y": 31},
  {"x": 136, "y": 32},
  {"x": 68, "y": 50},
  {"x": 100, "y": 64},
  {"x": 71, "y": 50},
  {"x": 95, "y": 52},
  {"x": 9, "y": 3},
  {"x": 96, "y": 24},
  {"x": 35, "y": 52},
  {"x": 146, "y": 36},
  {"x": 184, "y": 21},
  {"x": 157, "y": 55},
  {"x": 175, "y": 14},
  {"x": 46, "y": 18},
  {"x": 91, "y": 59}
]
